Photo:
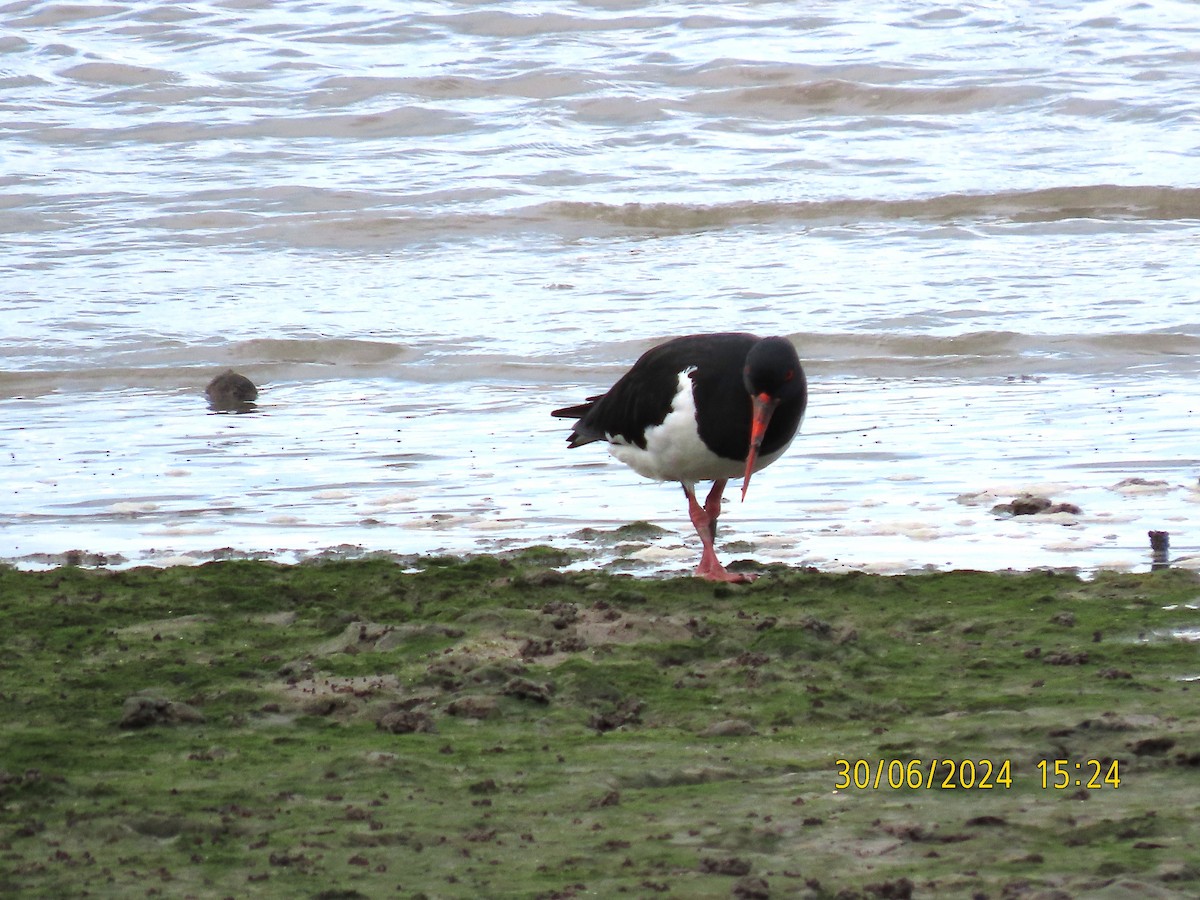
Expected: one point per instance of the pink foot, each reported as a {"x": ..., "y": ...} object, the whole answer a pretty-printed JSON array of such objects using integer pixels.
[
  {"x": 704, "y": 518},
  {"x": 721, "y": 574}
]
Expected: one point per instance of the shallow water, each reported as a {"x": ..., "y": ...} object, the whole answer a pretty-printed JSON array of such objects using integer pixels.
[{"x": 420, "y": 231}]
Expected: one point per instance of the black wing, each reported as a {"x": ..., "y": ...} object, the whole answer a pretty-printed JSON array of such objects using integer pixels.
[{"x": 642, "y": 397}]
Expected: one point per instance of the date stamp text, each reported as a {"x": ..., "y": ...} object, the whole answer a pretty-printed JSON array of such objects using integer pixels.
[{"x": 973, "y": 774}]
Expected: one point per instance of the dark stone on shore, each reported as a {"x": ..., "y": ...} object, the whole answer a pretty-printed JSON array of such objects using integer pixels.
[
  {"x": 405, "y": 721},
  {"x": 142, "y": 712},
  {"x": 1031, "y": 505}
]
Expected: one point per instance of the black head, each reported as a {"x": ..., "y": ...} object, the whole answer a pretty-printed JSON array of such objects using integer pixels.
[
  {"x": 773, "y": 368},
  {"x": 778, "y": 391}
]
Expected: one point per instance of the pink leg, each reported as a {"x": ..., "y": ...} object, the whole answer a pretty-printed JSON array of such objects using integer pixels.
[
  {"x": 712, "y": 504},
  {"x": 704, "y": 518}
]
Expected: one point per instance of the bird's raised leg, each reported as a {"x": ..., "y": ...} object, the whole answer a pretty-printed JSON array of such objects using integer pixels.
[
  {"x": 704, "y": 518},
  {"x": 712, "y": 505}
]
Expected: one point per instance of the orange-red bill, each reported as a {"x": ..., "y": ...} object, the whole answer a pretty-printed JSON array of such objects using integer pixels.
[{"x": 764, "y": 406}]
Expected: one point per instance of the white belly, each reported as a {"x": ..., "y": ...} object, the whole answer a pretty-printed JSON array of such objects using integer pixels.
[{"x": 674, "y": 451}]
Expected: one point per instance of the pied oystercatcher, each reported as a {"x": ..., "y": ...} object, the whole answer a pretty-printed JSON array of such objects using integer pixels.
[{"x": 705, "y": 407}]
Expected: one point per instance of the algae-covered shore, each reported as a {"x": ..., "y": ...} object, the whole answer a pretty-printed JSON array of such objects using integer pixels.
[{"x": 494, "y": 727}]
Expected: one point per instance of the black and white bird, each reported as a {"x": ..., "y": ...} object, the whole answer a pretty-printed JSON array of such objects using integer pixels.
[{"x": 705, "y": 407}]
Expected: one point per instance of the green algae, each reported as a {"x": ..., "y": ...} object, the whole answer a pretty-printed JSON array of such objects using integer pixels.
[{"x": 494, "y": 727}]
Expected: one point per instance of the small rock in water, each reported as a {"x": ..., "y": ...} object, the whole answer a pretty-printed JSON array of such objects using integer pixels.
[
  {"x": 1141, "y": 486},
  {"x": 230, "y": 391},
  {"x": 1030, "y": 504}
]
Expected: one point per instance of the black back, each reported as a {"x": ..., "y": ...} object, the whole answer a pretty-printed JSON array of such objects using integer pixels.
[{"x": 642, "y": 397}]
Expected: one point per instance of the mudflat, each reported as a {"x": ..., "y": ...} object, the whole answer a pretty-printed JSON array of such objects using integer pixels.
[{"x": 495, "y": 726}]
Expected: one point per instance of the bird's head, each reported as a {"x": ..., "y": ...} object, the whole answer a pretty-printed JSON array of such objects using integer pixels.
[{"x": 772, "y": 374}]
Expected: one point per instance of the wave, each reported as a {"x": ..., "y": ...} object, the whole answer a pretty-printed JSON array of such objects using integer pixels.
[
  {"x": 1000, "y": 354},
  {"x": 980, "y": 354},
  {"x": 176, "y": 366},
  {"x": 1099, "y": 201},
  {"x": 168, "y": 365},
  {"x": 362, "y": 222},
  {"x": 849, "y": 98}
]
